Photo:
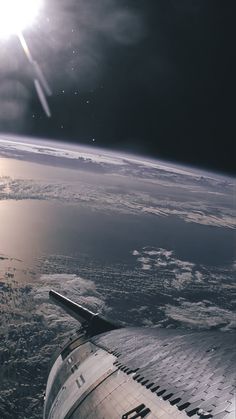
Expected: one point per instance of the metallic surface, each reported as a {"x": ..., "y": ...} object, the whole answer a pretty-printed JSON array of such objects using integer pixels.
[
  {"x": 95, "y": 323},
  {"x": 88, "y": 384},
  {"x": 174, "y": 374},
  {"x": 141, "y": 372},
  {"x": 193, "y": 371}
]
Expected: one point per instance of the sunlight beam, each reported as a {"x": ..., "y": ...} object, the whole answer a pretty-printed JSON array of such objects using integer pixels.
[{"x": 16, "y": 15}]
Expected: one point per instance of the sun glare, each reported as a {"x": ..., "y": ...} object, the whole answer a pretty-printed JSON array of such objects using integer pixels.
[{"x": 16, "y": 15}]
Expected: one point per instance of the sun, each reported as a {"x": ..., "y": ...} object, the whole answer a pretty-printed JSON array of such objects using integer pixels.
[{"x": 16, "y": 15}]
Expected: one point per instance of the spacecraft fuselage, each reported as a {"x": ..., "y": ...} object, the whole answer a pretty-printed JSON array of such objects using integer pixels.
[{"x": 108, "y": 371}]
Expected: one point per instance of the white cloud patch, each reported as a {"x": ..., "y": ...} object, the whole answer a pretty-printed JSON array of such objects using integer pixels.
[
  {"x": 169, "y": 275},
  {"x": 176, "y": 273},
  {"x": 78, "y": 289},
  {"x": 199, "y": 296},
  {"x": 188, "y": 213},
  {"x": 202, "y": 315}
]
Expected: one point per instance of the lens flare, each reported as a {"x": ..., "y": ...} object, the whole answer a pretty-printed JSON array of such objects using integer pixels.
[{"x": 16, "y": 15}]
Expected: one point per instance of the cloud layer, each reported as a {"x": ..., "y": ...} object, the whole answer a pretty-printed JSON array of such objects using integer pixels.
[
  {"x": 122, "y": 183},
  {"x": 200, "y": 315},
  {"x": 189, "y": 285}
]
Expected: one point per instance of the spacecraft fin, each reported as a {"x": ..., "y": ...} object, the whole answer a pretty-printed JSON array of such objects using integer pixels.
[{"x": 95, "y": 323}]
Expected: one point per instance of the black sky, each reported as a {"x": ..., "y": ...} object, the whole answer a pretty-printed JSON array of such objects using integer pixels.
[{"x": 148, "y": 76}]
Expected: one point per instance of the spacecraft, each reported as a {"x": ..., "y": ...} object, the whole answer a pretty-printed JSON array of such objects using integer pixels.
[{"x": 109, "y": 371}]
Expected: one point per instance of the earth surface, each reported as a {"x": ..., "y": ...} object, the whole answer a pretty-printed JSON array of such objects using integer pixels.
[{"x": 141, "y": 241}]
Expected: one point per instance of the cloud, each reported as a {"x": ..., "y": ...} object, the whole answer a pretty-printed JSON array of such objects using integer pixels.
[
  {"x": 177, "y": 274},
  {"x": 202, "y": 315},
  {"x": 32, "y": 328},
  {"x": 75, "y": 287},
  {"x": 31, "y": 331},
  {"x": 124, "y": 184},
  {"x": 169, "y": 275},
  {"x": 195, "y": 296},
  {"x": 97, "y": 195},
  {"x": 80, "y": 290}
]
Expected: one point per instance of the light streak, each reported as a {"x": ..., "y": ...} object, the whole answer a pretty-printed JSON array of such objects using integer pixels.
[
  {"x": 41, "y": 85},
  {"x": 15, "y": 16}
]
